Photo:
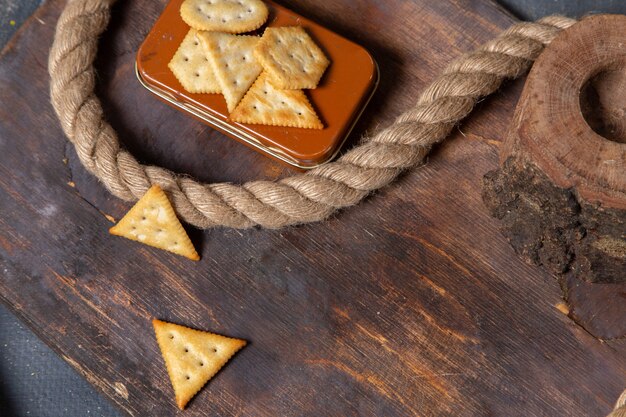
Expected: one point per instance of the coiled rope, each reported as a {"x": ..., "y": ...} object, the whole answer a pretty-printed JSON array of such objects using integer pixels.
[{"x": 303, "y": 198}]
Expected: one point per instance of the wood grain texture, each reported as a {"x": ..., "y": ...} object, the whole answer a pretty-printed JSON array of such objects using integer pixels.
[{"x": 410, "y": 304}]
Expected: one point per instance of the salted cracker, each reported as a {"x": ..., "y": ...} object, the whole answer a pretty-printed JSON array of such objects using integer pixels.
[
  {"x": 231, "y": 16},
  {"x": 191, "y": 66},
  {"x": 265, "y": 104},
  {"x": 192, "y": 357},
  {"x": 291, "y": 58},
  {"x": 233, "y": 63},
  {"x": 152, "y": 221}
]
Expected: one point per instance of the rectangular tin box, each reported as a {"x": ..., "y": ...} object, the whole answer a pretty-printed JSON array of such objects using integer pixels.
[{"x": 340, "y": 98}]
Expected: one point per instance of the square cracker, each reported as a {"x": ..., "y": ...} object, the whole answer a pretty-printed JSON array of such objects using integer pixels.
[
  {"x": 191, "y": 66},
  {"x": 231, "y": 16},
  {"x": 267, "y": 105},
  {"x": 291, "y": 58},
  {"x": 233, "y": 63}
]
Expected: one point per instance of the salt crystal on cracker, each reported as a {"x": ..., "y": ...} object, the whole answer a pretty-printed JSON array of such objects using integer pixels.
[
  {"x": 192, "y": 357},
  {"x": 291, "y": 58},
  {"x": 233, "y": 63},
  {"x": 267, "y": 105},
  {"x": 231, "y": 16},
  {"x": 191, "y": 66},
  {"x": 152, "y": 221}
]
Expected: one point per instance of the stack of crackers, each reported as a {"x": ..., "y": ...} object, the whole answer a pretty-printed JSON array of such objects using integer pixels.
[{"x": 261, "y": 78}]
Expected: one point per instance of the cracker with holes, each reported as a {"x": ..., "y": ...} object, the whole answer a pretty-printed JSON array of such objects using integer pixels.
[
  {"x": 267, "y": 105},
  {"x": 233, "y": 63},
  {"x": 291, "y": 58},
  {"x": 191, "y": 66},
  {"x": 192, "y": 357},
  {"x": 152, "y": 221},
  {"x": 231, "y": 16}
]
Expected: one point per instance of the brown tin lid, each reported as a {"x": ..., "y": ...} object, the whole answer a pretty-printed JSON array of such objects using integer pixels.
[{"x": 339, "y": 99}]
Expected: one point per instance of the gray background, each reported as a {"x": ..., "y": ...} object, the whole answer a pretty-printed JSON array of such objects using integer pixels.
[{"x": 34, "y": 381}]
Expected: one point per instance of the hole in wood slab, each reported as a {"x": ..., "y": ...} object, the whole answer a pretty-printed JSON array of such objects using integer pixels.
[{"x": 603, "y": 101}]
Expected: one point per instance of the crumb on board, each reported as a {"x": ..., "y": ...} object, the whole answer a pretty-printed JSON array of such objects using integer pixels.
[{"x": 562, "y": 307}]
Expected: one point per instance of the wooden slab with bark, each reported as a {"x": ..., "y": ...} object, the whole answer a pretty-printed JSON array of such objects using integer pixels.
[{"x": 561, "y": 190}]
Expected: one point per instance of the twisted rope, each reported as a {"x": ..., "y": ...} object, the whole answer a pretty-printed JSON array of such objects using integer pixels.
[
  {"x": 299, "y": 199},
  {"x": 620, "y": 407}
]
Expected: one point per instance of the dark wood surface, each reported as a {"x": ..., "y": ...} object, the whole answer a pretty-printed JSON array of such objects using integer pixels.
[{"x": 410, "y": 304}]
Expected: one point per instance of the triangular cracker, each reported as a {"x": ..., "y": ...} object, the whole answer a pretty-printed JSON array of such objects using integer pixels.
[
  {"x": 191, "y": 66},
  {"x": 152, "y": 221},
  {"x": 192, "y": 357},
  {"x": 264, "y": 104},
  {"x": 232, "y": 16},
  {"x": 233, "y": 63},
  {"x": 291, "y": 58}
]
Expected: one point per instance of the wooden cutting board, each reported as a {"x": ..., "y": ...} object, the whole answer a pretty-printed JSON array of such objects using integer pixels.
[{"x": 410, "y": 304}]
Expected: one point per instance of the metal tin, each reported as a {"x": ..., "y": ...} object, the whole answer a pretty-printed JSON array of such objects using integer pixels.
[{"x": 340, "y": 98}]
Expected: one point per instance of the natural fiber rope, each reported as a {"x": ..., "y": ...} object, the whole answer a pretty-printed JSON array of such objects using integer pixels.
[
  {"x": 299, "y": 199},
  {"x": 620, "y": 406}
]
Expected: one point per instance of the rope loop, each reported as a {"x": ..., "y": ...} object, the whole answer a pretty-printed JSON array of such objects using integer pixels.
[{"x": 299, "y": 199}]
